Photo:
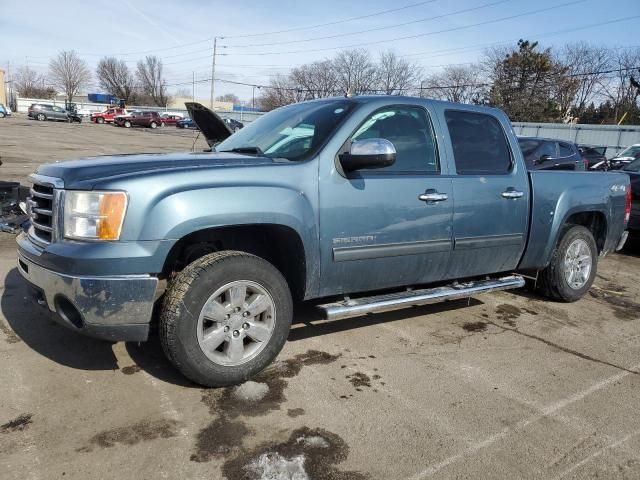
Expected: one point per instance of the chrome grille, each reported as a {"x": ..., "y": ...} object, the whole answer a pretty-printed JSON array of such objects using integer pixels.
[{"x": 41, "y": 206}]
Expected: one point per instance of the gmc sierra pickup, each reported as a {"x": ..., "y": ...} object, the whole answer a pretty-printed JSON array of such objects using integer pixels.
[{"x": 361, "y": 204}]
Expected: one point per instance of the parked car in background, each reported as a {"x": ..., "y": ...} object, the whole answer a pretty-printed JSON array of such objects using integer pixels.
[
  {"x": 625, "y": 157},
  {"x": 234, "y": 125},
  {"x": 108, "y": 115},
  {"x": 549, "y": 154},
  {"x": 139, "y": 119},
  {"x": 169, "y": 119},
  {"x": 633, "y": 170},
  {"x": 45, "y": 111},
  {"x": 370, "y": 194},
  {"x": 4, "y": 111},
  {"x": 186, "y": 123},
  {"x": 593, "y": 154}
]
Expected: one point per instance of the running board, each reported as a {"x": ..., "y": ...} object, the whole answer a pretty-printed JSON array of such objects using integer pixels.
[{"x": 380, "y": 303}]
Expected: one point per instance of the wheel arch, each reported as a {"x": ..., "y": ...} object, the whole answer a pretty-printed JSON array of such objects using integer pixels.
[{"x": 280, "y": 245}]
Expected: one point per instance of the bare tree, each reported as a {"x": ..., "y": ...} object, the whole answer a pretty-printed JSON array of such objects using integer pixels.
[
  {"x": 29, "y": 83},
  {"x": 151, "y": 82},
  {"x": 281, "y": 91},
  {"x": 355, "y": 71},
  {"x": 455, "y": 83},
  {"x": 229, "y": 97},
  {"x": 69, "y": 73},
  {"x": 316, "y": 80},
  {"x": 115, "y": 77},
  {"x": 395, "y": 75},
  {"x": 586, "y": 64},
  {"x": 620, "y": 86}
]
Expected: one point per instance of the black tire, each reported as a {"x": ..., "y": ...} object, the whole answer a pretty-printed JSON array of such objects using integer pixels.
[
  {"x": 552, "y": 282},
  {"x": 185, "y": 299},
  {"x": 100, "y": 120},
  {"x": 41, "y": 117},
  {"x": 127, "y": 124}
]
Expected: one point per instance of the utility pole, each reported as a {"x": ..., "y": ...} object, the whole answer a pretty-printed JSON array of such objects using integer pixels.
[
  {"x": 213, "y": 69},
  {"x": 253, "y": 102},
  {"x": 193, "y": 87}
]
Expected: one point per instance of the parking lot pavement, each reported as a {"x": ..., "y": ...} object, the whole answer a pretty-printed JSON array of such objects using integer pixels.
[{"x": 506, "y": 385}]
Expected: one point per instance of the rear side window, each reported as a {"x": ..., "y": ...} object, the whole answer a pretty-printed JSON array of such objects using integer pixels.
[
  {"x": 479, "y": 143},
  {"x": 565, "y": 150}
]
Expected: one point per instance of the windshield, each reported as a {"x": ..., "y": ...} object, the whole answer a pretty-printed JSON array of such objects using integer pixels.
[
  {"x": 630, "y": 151},
  {"x": 294, "y": 132},
  {"x": 633, "y": 166}
]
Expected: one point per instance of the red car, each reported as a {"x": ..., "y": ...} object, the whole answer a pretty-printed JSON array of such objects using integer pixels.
[
  {"x": 139, "y": 119},
  {"x": 169, "y": 119},
  {"x": 108, "y": 115}
]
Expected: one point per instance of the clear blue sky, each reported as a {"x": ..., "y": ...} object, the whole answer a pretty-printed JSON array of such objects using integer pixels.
[{"x": 33, "y": 31}]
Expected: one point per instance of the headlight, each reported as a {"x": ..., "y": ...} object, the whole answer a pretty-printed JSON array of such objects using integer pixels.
[{"x": 94, "y": 215}]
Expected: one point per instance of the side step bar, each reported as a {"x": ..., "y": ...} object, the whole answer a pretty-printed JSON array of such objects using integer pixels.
[{"x": 380, "y": 303}]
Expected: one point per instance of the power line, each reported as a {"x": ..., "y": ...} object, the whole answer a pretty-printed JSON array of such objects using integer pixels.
[
  {"x": 336, "y": 22},
  {"x": 433, "y": 87},
  {"x": 375, "y": 29},
  {"x": 408, "y": 37}
]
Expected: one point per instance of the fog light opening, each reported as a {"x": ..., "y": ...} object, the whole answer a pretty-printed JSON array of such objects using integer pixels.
[{"x": 68, "y": 311}]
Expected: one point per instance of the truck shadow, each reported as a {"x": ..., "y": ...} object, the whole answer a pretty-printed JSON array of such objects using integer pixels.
[{"x": 34, "y": 326}]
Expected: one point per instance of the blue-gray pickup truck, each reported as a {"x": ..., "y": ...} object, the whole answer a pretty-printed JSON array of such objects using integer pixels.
[{"x": 361, "y": 204}]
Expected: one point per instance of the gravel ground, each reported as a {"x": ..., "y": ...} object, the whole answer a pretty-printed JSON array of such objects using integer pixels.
[{"x": 506, "y": 385}]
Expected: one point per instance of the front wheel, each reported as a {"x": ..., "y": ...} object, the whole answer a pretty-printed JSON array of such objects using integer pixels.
[
  {"x": 100, "y": 120},
  {"x": 225, "y": 317},
  {"x": 573, "y": 265},
  {"x": 127, "y": 124}
]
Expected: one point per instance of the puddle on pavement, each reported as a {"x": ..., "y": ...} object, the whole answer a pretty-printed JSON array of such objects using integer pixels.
[
  {"x": 18, "y": 424},
  {"x": 130, "y": 370},
  {"x": 132, "y": 434},
  {"x": 253, "y": 398},
  {"x": 307, "y": 454},
  {"x": 623, "y": 308},
  {"x": 475, "y": 326}
]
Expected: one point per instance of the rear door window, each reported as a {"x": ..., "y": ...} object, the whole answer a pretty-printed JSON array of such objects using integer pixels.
[
  {"x": 565, "y": 149},
  {"x": 479, "y": 143}
]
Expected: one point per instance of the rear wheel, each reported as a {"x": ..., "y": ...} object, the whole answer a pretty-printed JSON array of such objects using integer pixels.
[
  {"x": 225, "y": 317},
  {"x": 573, "y": 265},
  {"x": 2, "y": 115},
  {"x": 153, "y": 124},
  {"x": 41, "y": 117}
]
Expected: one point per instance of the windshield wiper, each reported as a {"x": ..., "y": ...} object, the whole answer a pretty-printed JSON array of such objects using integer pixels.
[{"x": 248, "y": 150}]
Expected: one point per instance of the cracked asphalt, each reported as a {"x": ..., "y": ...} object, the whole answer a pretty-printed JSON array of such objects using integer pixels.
[{"x": 505, "y": 385}]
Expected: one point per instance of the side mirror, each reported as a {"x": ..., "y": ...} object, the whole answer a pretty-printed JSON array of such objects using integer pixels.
[{"x": 368, "y": 153}]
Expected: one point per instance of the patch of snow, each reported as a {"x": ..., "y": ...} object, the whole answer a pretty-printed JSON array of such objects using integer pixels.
[
  {"x": 251, "y": 391},
  {"x": 314, "y": 441},
  {"x": 273, "y": 466}
]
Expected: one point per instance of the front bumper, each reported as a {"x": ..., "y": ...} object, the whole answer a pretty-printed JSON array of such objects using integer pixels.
[{"x": 116, "y": 308}]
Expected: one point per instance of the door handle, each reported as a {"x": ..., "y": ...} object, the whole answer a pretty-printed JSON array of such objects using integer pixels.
[
  {"x": 512, "y": 193},
  {"x": 432, "y": 195}
]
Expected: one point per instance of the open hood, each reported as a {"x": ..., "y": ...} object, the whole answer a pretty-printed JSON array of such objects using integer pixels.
[{"x": 211, "y": 125}]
